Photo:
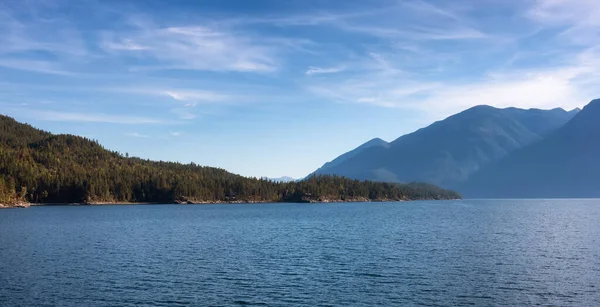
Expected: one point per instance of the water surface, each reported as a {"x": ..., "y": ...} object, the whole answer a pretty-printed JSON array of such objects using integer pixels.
[{"x": 447, "y": 253}]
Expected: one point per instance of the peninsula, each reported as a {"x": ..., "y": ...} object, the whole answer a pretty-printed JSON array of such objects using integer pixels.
[{"x": 39, "y": 167}]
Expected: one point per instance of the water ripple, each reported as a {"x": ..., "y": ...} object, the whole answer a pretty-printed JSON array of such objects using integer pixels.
[{"x": 465, "y": 253}]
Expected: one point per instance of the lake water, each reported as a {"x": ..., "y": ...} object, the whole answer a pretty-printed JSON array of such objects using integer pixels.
[{"x": 447, "y": 253}]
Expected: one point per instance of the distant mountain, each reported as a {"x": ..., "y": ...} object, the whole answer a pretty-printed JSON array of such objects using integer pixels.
[
  {"x": 374, "y": 143},
  {"x": 447, "y": 152},
  {"x": 283, "y": 179},
  {"x": 564, "y": 164}
]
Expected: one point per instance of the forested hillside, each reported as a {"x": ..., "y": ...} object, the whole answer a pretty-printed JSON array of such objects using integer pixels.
[{"x": 40, "y": 167}]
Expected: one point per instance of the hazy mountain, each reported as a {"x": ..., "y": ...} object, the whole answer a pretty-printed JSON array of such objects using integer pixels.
[
  {"x": 447, "y": 152},
  {"x": 281, "y": 179},
  {"x": 564, "y": 164},
  {"x": 374, "y": 143}
]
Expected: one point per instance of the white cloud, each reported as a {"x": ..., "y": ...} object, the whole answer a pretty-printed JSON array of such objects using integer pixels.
[
  {"x": 419, "y": 33},
  {"x": 175, "y": 133},
  {"x": 90, "y": 117},
  {"x": 137, "y": 135},
  {"x": 196, "y": 47},
  {"x": 414, "y": 20},
  {"x": 125, "y": 44},
  {"x": 566, "y": 11},
  {"x": 568, "y": 86},
  {"x": 195, "y": 95},
  {"x": 402, "y": 64},
  {"x": 193, "y": 46},
  {"x": 24, "y": 30},
  {"x": 430, "y": 9},
  {"x": 566, "y": 77},
  {"x": 45, "y": 35},
  {"x": 183, "y": 113},
  {"x": 580, "y": 17},
  {"x": 312, "y": 70},
  {"x": 38, "y": 66},
  {"x": 543, "y": 89}
]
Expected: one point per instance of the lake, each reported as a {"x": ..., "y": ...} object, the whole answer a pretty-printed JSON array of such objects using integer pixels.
[{"x": 443, "y": 253}]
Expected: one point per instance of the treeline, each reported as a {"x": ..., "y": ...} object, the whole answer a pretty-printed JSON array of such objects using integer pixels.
[{"x": 40, "y": 167}]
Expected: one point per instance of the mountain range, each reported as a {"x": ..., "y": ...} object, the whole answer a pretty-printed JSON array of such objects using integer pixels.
[
  {"x": 488, "y": 152},
  {"x": 565, "y": 164}
]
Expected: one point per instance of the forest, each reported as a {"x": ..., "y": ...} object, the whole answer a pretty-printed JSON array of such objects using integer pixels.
[{"x": 39, "y": 167}]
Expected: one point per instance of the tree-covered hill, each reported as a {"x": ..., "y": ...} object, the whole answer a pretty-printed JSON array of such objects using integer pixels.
[{"x": 37, "y": 166}]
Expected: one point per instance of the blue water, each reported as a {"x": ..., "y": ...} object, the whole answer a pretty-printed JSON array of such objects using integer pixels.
[{"x": 450, "y": 253}]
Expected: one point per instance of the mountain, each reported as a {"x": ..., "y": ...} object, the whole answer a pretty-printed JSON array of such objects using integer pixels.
[
  {"x": 447, "y": 152},
  {"x": 281, "y": 179},
  {"x": 565, "y": 164},
  {"x": 37, "y": 166},
  {"x": 330, "y": 166}
]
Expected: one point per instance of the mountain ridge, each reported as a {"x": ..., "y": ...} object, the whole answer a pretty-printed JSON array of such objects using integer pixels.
[
  {"x": 564, "y": 164},
  {"x": 373, "y": 143},
  {"x": 446, "y": 152}
]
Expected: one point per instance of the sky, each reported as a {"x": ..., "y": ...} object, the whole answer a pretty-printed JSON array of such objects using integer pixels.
[{"x": 274, "y": 88}]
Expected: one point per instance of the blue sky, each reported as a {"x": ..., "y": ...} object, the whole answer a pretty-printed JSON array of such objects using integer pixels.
[{"x": 273, "y": 88}]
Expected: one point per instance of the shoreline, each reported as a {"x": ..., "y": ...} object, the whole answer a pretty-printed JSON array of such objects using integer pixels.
[
  {"x": 204, "y": 203},
  {"x": 16, "y": 205},
  {"x": 303, "y": 201}
]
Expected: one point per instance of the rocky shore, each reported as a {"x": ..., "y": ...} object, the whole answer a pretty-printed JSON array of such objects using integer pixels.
[
  {"x": 15, "y": 205},
  {"x": 303, "y": 199},
  {"x": 218, "y": 202},
  {"x": 183, "y": 201}
]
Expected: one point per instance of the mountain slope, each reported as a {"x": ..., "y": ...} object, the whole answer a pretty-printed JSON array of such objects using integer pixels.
[
  {"x": 15, "y": 134},
  {"x": 37, "y": 166},
  {"x": 374, "y": 143},
  {"x": 447, "y": 152},
  {"x": 564, "y": 164}
]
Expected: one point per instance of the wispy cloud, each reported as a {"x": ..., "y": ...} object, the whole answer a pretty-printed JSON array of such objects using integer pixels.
[
  {"x": 183, "y": 113},
  {"x": 564, "y": 77},
  {"x": 34, "y": 43},
  {"x": 196, "y": 47},
  {"x": 418, "y": 33},
  {"x": 567, "y": 86},
  {"x": 401, "y": 54},
  {"x": 566, "y": 11},
  {"x": 204, "y": 46},
  {"x": 38, "y": 66},
  {"x": 580, "y": 18},
  {"x": 196, "y": 95},
  {"x": 381, "y": 64},
  {"x": 313, "y": 70},
  {"x": 91, "y": 118},
  {"x": 532, "y": 89},
  {"x": 125, "y": 44},
  {"x": 431, "y": 9},
  {"x": 53, "y": 36},
  {"x": 413, "y": 19},
  {"x": 137, "y": 135}
]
